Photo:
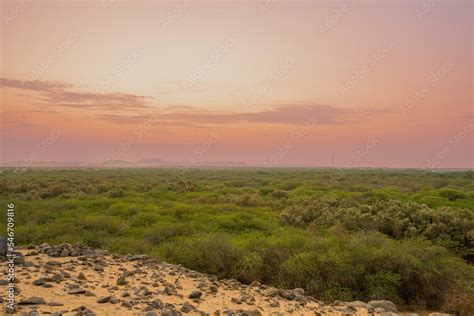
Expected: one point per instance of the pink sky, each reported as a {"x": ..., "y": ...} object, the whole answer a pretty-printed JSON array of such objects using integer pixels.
[{"x": 374, "y": 83}]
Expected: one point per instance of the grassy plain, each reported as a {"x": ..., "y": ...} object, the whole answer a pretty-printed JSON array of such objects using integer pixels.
[{"x": 406, "y": 236}]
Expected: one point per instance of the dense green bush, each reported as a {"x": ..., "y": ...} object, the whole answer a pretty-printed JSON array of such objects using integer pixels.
[{"x": 452, "y": 228}]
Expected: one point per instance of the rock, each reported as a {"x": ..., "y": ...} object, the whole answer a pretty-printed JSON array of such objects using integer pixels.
[
  {"x": 272, "y": 292},
  {"x": 169, "y": 311},
  {"x": 39, "y": 282},
  {"x": 64, "y": 253},
  {"x": 82, "y": 310},
  {"x": 34, "y": 300},
  {"x": 103, "y": 299},
  {"x": 286, "y": 294},
  {"x": 358, "y": 304},
  {"x": 121, "y": 281},
  {"x": 255, "y": 284},
  {"x": 76, "y": 290},
  {"x": 386, "y": 305},
  {"x": 3, "y": 246},
  {"x": 127, "y": 303},
  {"x": 439, "y": 314},
  {"x": 55, "y": 304},
  {"x": 98, "y": 268},
  {"x": 81, "y": 276},
  {"x": 195, "y": 294},
  {"x": 186, "y": 308},
  {"x": 11, "y": 309},
  {"x": 298, "y": 291}
]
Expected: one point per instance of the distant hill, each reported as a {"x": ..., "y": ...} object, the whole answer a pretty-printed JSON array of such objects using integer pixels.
[
  {"x": 153, "y": 162},
  {"x": 118, "y": 163}
]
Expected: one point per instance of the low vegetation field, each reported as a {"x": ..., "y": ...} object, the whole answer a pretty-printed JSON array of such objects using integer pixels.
[{"x": 404, "y": 236}]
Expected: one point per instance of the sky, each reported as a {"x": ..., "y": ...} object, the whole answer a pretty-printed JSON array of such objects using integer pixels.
[{"x": 353, "y": 83}]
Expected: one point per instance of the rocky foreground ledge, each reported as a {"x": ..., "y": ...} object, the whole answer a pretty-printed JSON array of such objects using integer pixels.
[{"x": 79, "y": 280}]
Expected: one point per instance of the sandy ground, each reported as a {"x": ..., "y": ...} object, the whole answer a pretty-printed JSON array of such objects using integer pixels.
[{"x": 217, "y": 296}]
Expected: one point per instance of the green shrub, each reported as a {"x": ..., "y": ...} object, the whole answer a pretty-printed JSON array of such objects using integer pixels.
[{"x": 452, "y": 195}]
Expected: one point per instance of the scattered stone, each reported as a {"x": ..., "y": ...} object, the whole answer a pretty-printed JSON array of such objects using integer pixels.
[
  {"x": 186, "y": 308},
  {"x": 76, "y": 291},
  {"x": 103, "y": 299},
  {"x": 81, "y": 276},
  {"x": 386, "y": 305},
  {"x": 358, "y": 304},
  {"x": 121, "y": 281},
  {"x": 195, "y": 294},
  {"x": 286, "y": 294},
  {"x": 34, "y": 300},
  {"x": 39, "y": 282},
  {"x": 298, "y": 291}
]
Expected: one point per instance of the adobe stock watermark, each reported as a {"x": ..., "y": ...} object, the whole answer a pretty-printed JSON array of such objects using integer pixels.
[
  {"x": 331, "y": 20},
  {"x": 174, "y": 15},
  {"x": 426, "y": 7},
  {"x": 216, "y": 54},
  {"x": 198, "y": 152},
  {"x": 452, "y": 143},
  {"x": 117, "y": 72},
  {"x": 52, "y": 58},
  {"x": 266, "y": 5},
  {"x": 295, "y": 138},
  {"x": 15, "y": 12},
  {"x": 41, "y": 147},
  {"x": 374, "y": 59},
  {"x": 359, "y": 154},
  {"x": 11, "y": 256},
  {"x": 417, "y": 96},
  {"x": 263, "y": 89},
  {"x": 138, "y": 133}
]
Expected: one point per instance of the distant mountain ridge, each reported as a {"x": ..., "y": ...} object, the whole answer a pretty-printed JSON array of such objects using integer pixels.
[{"x": 115, "y": 163}]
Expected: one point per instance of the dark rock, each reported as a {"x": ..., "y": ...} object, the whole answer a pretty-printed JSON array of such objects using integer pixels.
[
  {"x": 39, "y": 282},
  {"x": 121, "y": 281},
  {"x": 103, "y": 299},
  {"x": 127, "y": 303},
  {"x": 286, "y": 294},
  {"x": 195, "y": 294},
  {"x": 34, "y": 300},
  {"x": 81, "y": 276},
  {"x": 64, "y": 253},
  {"x": 186, "y": 308},
  {"x": 98, "y": 268},
  {"x": 76, "y": 291},
  {"x": 169, "y": 311},
  {"x": 3, "y": 246},
  {"x": 83, "y": 311}
]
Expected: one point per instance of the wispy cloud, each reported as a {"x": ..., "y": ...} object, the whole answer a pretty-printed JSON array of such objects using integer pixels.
[
  {"x": 281, "y": 115},
  {"x": 61, "y": 94},
  {"x": 34, "y": 85}
]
